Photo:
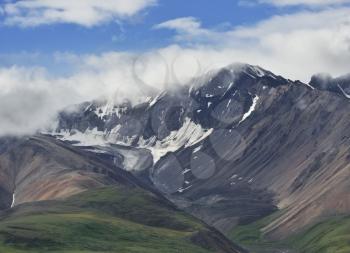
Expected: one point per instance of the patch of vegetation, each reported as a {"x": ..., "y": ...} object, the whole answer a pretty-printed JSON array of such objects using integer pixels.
[
  {"x": 330, "y": 236},
  {"x": 251, "y": 237},
  {"x": 118, "y": 219}
]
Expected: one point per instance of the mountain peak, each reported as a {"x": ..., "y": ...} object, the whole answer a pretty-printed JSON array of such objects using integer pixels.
[{"x": 252, "y": 70}]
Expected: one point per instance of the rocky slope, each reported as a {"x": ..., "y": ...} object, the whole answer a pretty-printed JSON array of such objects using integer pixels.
[{"x": 41, "y": 168}]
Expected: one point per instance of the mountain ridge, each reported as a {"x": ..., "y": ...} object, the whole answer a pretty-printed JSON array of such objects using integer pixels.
[{"x": 231, "y": 105}]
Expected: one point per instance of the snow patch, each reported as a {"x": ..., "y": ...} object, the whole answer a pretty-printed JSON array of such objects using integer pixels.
[
  {"x": 310, "y": 86},
  {"x": 94, "y": 137},
  {"x": 181, "y": 190},
  {"x": 230, "y": 85},
  {"x": 186, "y": 171},
  {"x": 108, "y": 109},
  {"x": 188, "y": 135},
  {"x": 197, "y": 149},
  {"x": 13, "y": 200},
  {"x": 155, "y": 100},
  {"x": 228, "y": 89},
  {"x": 97, "y": 151},
  {"x": 88, "y": 138},
  {"x": 251, "y": 109},
  {"x": 343, "y": 91},
  {"x": 234, "y": 176}
]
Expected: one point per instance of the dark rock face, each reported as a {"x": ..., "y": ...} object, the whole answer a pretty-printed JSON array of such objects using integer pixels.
[{"x": 237, "y": 145}]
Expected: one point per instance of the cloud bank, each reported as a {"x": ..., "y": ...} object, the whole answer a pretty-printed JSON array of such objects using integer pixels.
[{"x": 88, "y": 13}]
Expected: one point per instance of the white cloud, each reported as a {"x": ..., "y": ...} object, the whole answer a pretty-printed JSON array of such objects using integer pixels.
[
  {"x": 184, "y": 24},
  {"x": 27, "y": 100},
  {"x": 28, "y": 13},
  {"x": 189, "y": 29},
  {"x": 295, "y": 45}
]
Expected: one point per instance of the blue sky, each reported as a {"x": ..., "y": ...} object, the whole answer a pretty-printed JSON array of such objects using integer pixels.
[{"x": 134, "y": 34}]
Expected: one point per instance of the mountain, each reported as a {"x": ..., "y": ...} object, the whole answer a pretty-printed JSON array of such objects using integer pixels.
[
  {"x": 58, "y": 198},
  {"x": 233, "y": 148},
  {"x": 340, "y": 85}
]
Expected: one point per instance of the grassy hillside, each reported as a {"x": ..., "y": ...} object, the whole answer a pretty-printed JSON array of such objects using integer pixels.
[
  {"x": 330, "y": 236},
  {"x": 253, "y": 239},
  {"x": 117, "y": 219}
]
